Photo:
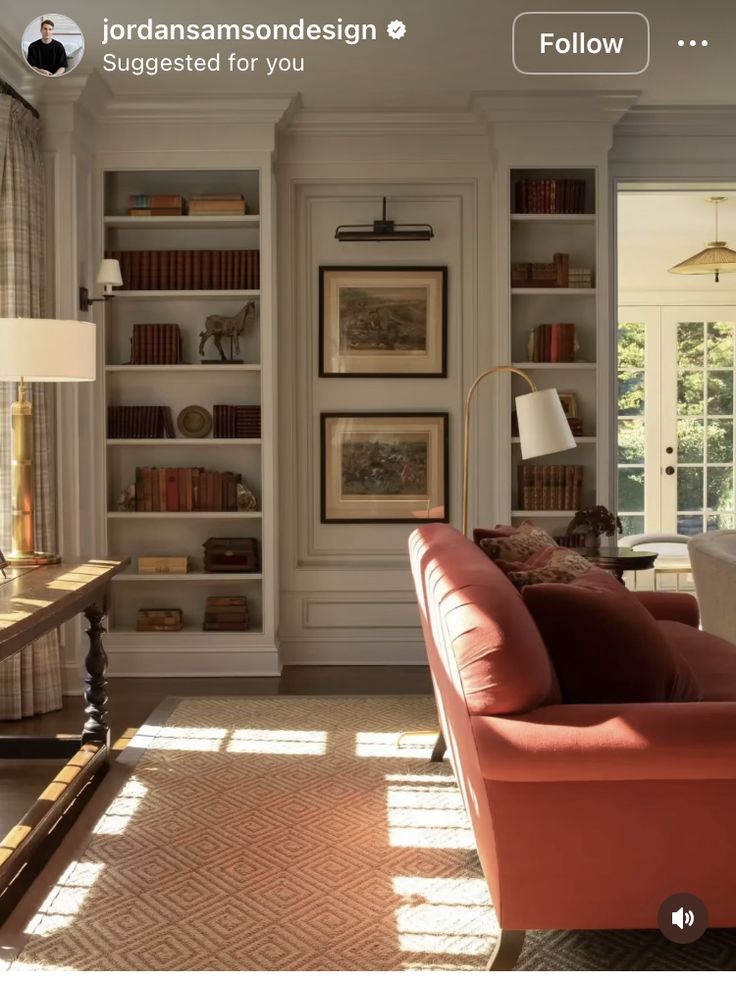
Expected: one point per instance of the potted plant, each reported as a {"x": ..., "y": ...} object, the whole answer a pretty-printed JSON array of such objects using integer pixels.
[{"x": 596, "y": 521}]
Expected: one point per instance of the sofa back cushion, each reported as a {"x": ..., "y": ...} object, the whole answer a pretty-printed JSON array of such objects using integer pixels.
[
  {"x": 480, "y": 636},
  {"x": 605, "y": 646}
]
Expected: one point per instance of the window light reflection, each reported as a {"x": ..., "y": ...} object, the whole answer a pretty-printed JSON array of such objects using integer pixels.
[
  {"x": 117, "y": 817},
  {"x": 450, "y": 916},
  {"x": 194, "y": 739},
  {"x": 426, "y": 816},
  {"x": 281, "y": 742},
  {"x": 66, "y": 899},
  {"x": 385, "y": 745}
]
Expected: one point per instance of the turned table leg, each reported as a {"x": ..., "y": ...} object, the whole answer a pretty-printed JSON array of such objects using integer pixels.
[{"x": 96, "y": 729}]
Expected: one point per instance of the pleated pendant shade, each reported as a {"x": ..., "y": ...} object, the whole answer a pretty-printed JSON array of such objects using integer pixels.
[{"x": 715, "y": 258}]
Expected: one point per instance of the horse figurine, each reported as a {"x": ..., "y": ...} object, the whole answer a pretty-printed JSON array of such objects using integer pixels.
[{"x": 218, "y": 327}]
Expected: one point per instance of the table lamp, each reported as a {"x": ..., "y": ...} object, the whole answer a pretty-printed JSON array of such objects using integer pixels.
[
  {"x": 35, "y": 350},
  {"x": 543, "y": 426}
]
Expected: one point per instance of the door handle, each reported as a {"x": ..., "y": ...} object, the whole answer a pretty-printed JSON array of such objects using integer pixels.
[{"x": 669, "y": 471}]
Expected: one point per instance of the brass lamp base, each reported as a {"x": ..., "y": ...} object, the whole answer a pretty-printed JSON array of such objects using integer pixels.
[{"x": 38, "y": 558}]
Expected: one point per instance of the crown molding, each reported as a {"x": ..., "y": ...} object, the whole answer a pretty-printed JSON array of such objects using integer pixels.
[
  {"x": 16, "y": 72},
  {"x": 658, "y": 121},
  {"x": 236, "y": 109},
  {"x": 353, "y": 123},
  {"x": 552, "y": 107}
]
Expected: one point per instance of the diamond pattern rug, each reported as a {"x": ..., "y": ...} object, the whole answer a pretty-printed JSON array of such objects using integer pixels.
[{"x": 290, "y": 833}]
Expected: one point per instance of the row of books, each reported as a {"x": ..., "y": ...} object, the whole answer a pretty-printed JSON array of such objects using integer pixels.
[
  {"x": 542, "y": 275},
  {"x": 570, "y": 541},
  {"x": 550, "y": 487},
  {"x": 226, "y": 613},
  {"x": 185, "y": 489},
  {"x": 236, "y": 421},
  {"x": 188, "y": 269},
  {"x": 140, "y": 422},
  {"x": 552, "y": 343},
  {"x": 142, "y": 205},
  {"x": 550, "y": 196},
  {"x": 155, "y": 344}
]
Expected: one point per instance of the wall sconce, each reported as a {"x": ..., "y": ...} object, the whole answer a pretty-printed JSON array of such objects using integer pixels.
[
  {"x": 384, "y": 229},
  {"x": 108, "y": 275}
]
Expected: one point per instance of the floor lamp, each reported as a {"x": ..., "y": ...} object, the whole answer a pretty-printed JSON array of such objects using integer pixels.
[
  {"x": 543, "y": 426},
  {"x": 35, "y": 350}
]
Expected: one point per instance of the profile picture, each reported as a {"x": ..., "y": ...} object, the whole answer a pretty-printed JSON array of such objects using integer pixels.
[{"x": 53, "y": 45}]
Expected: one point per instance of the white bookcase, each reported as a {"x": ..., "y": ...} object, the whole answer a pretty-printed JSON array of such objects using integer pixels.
[
  {"x": 191, "y": 651},
  {"x": 536, "y": 238}
]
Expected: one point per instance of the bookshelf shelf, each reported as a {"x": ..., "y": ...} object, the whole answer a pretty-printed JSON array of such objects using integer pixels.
[
  {"x": 542, "y": 514},
  {"x": 584, "y": 219},
  {"x": 190, "y": 577},
  {"x": 546, "y": 365},
  {"x": 580, "y": 440},
  {"x": 551, "y": 291},
  {"x": 185, "y": 294},
  {"x": 208, "y": 441},
  {"x": 112, "y": 368},
  {"x": 126, "y": 461},
  {"x": 184, "y": 515},
  {"x": 181, "y": 221}
]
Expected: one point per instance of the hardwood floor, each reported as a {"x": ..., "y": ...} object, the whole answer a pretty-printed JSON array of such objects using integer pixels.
[{"x": 133, "y": 699}]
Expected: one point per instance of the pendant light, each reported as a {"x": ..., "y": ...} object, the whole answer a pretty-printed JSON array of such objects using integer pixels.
[{"x": 716, "y": 258}]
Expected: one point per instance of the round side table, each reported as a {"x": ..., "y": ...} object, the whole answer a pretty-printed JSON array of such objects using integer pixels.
[{"x": 619, "y": 560}]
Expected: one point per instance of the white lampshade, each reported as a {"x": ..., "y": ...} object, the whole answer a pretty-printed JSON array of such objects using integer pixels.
[
  {"x": 47, "y": 350},
  {"x": 109, "y": 273},
  {"x": 543, "y": 426}
]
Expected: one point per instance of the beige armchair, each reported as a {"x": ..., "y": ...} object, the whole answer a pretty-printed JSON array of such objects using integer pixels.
[{"x": 713, "y": 561}]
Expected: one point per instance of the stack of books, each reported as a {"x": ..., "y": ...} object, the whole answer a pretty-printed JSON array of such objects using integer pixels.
[
  {"x": 188, "y": 269},
  {"x": 140, "y": 422},
  {"x": 570, "y": 541},
  {"x": 550, "y": 487},
  {"x": 542, "y": 275},
  {"x": 580, "y": 278},
  {"x": 226, "y": 613},
  {"x": 159, "y": 620},
  {"x": 147, "y": 205},
  {"x": 236, "y": 421},
  {"x": 155, "y": 344},
  {"x": 576, "y": 425},
  {"x": 185, "y": 489},
  {"x": 163, "y": 564},
  {"x": 552, "y": 343},
  {"x": 217, "y": 204},
  {"x": 550, "y": 196}
]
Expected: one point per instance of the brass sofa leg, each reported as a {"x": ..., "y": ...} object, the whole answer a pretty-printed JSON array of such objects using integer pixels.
[
  {"x": 439, "y": 749},
  {"x": 508, "y": 949}
]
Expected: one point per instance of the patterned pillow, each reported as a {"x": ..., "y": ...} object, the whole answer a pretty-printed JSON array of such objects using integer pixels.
[
  {"x": 551, "y": 565},
  {"x": 519, "y": 547}
]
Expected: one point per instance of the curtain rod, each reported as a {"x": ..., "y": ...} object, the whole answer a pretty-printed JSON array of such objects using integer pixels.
[{"x": 6, "y": 89}]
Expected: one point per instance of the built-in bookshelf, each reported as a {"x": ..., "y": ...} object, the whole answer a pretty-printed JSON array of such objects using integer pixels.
[
  {"x": 543, "y": 244},
  {"x": 138, "y": 522}
]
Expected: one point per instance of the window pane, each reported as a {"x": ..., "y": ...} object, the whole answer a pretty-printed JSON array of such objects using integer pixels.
[
  {"x": 631, "y": 393},
  {"x": 631, "y": 441},
  {"x": 720, "y": 393},
  {"x": 720, "y": 488},
  {"x": 720, "y": 345},
  {"x": 690, "y": 393},
  {"x": 720, "y": 441},
  {"x": 690, "y": 344},
  {"x": 631, "y": 489},
  {"x": 631, "y": 345},
  {"x": 690, "y": 447},
  {"x": 719, "y": 522},
  {"x": 689, "y": 489},
  {"x": 632, "y": 524},
  {"x": 689, "y": 524}
]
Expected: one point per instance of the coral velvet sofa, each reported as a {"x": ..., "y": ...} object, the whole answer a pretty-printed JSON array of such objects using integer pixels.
[{"x": 586, "y": 816}]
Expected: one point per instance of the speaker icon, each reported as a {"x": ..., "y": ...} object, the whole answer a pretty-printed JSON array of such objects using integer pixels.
[{"x": 683, "y": 917}]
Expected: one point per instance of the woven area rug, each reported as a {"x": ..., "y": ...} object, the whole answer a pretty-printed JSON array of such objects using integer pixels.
[{"x": 290, "y": 833}]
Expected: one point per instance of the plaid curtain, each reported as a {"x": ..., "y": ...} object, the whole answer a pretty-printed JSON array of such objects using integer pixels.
[{"x": 30, "y": 681}]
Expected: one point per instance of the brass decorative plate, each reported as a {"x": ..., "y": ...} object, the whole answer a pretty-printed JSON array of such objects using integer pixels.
[{"x": 194, "y": 422}]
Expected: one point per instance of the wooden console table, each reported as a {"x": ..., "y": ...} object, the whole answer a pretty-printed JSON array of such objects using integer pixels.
[{"x": 34, "y": 601}]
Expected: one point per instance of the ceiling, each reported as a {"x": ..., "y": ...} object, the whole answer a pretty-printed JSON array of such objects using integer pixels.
[
  {"x": 657, "y": 229},
  {"x": 452, "y": 48}
]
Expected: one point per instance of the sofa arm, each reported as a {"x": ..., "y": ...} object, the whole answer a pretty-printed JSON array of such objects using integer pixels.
[
  {"x": 643, "y": 741},
  {"x": 671, "y": 606}
]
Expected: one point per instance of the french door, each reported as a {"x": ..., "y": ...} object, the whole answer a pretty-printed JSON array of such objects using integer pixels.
[{"x": 676, "y": 373}]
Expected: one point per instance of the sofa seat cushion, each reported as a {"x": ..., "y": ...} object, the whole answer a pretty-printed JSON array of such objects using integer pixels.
[
  {"x": 604, "y": 644},
  {"x": 711, "y": 659}
]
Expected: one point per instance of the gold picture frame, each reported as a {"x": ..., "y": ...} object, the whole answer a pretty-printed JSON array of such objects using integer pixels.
[
  {"x": 384, "y": 467},
  {"x": 383, "y": 321},
  {"x": 569, "y": 404}
]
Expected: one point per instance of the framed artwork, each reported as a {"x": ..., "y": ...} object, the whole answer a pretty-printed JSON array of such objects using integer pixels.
[
  {"x": 384, "y": 321},
  {"x": 569, "y": 404},
  {"x": 384, "y": 467}
]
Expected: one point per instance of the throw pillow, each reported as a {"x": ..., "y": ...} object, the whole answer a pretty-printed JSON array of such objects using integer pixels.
[
  {"x": 517, "y": 548},
  {"x": 553, "y": 564},
  {"x": 498, "y": 531},
  {"x": 604, "y": 644}
]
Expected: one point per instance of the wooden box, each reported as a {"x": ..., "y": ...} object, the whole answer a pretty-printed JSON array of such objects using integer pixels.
[{"x": 231, "y": 555}]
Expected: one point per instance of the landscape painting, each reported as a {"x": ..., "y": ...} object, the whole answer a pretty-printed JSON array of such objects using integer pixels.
[
  {"x": 384, "y": 467},
  {"x": 383, "y": 321}
]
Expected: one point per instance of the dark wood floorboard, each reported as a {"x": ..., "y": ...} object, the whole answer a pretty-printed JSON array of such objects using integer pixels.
[{"x": 133, "y": 699}]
